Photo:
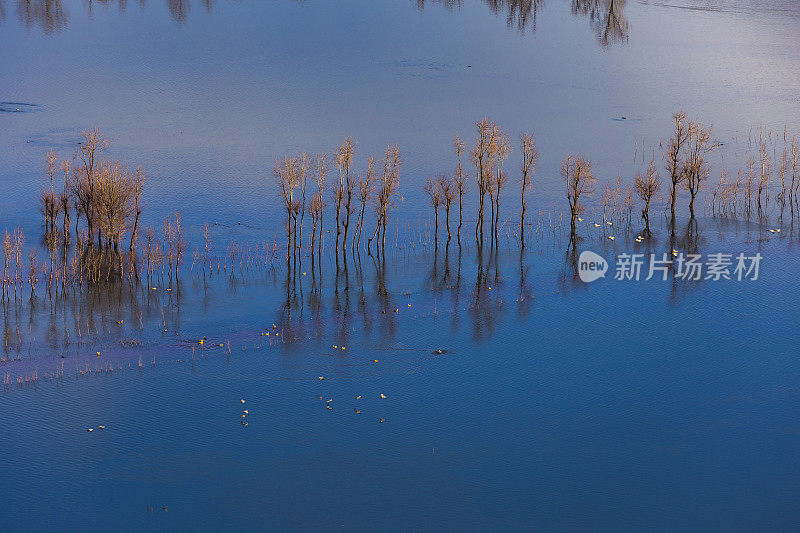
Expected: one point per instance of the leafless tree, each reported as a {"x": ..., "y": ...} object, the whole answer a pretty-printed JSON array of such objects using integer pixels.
[
  {"x": 480, "y": 157},
  {"x": 389, "y": 182},
  {"x": 765, "y": 163},
  {"x": 304, "y": 166},
  {"x": 460, "y": 182},
  {"x": 317, "y": 205},
  {"x": 448, "y": 187},
  {"x": 343, "y": 191},
  {"x": 87, "y": 157},
  {"x": 287, "y": 173},
  {"x": 175, "y": 242},
  {"x": 699, "y": 146},
  {"x": 674, "y": 158},
  {"x": 366, "y": 192},
  {"x": 647, "y": 186},
  {"x": 137, "y": 186},
  {"x": 434, "y": 191},
  {"x": 794, "y": 156},
  {"x": 579, "y": 181},
  {"x": 50, "y": 204},
  {"x": 530, "y": 156},
  {"x": 499, "y": 153}
]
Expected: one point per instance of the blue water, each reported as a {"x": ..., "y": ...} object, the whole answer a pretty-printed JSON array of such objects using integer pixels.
[
  {"x": 517, "y": 397},
  {"x": 611, "y": 405}
]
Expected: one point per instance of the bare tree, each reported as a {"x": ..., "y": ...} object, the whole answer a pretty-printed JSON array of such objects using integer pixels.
[
  {"x": 673, "y": 156},
  {"x": 448, "y": 188},
  {"x": 499, "y": 153},
  {"x": 175, "y": 243},
  {"x": 764, "y": 170},
  {"x": 647, "y": 186},
  {"x": 577, "y": 174},
  {"x": 88, "y": 155},
  {"x": 344, "y": 188},
  {"x": 530, "y": 156},
  {"x": 65, "y": 200},
  {"x": 286, "y": 171},
  {"x": 304, "y": 165},
  {"x": 389, "y": 182},
  {"x": 480, "y": 157},
  {"x": 434, "y": 191},
  {"x": 366, "y": 190},
  {"x": 699, "y": 146},
  {"x": 137, "y": 185},
  {"x": 50, "y": 205},
  {"x": 318, "y": 203},
  {"x": 794, "y": 156},
  {"x": 460, "y": 182}
]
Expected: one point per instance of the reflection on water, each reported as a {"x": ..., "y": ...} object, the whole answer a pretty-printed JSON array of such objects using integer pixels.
[
  {"x": 359, "y": 299},
  {"x": 519, "y": 13},
  {"x": 606, "y": 16},
  {"x": 48, "y": 15}
]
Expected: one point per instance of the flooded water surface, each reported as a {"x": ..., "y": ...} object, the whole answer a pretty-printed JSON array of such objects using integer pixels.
[{"x": 440, "y": 383}]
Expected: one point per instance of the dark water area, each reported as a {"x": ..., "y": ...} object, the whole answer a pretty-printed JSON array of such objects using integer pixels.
[
  {"x": 471, "y": 390},
  {"x": 443, "y": 385}
]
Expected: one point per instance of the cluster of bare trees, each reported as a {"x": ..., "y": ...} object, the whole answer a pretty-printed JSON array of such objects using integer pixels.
[
  {"x": 292, "y": 173},
  {"x": 686, "y": 162},
  {"x": 686, "y": 158},
  {"x": 104, "y": 198},
  {"x": 352, "y": 193},
  {"x": 491, "y": 149},
  {"x": 105, "y": 194},
  {"x": 750, "y": 190},
  {"x": 441, "y": 191},
  {"x": 13, "y": 257}
]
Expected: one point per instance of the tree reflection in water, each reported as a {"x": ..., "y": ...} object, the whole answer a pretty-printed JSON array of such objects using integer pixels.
[{"x": 606, "y": 17}]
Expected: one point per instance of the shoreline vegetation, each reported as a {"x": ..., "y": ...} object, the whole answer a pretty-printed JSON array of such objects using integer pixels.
[
  {"x": 91, "y": 206},
  {"x": 93, "y": 243}
]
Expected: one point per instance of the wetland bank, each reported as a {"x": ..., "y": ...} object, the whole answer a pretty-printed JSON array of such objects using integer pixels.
[{"x": 442, "y": 366}]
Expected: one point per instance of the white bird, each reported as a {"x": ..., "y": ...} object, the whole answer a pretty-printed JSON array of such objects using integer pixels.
[
  {"x": 609, "y": 223},
  {"x": 246, "y": 412},
  {"x": 383, "y": 395},
  {"x": 597, "y": 225},
  {"x": 241, "y": 401},
  {"x": 611, "y": 237},
  {"x": 580, "y": 219}
]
